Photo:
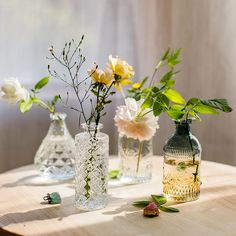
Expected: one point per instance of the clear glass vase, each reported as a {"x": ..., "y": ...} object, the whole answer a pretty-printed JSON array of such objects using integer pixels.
[
  {"x": 182, "y": 157},
  {"x": 55, "y": 157},
  {"x": 91, "y": 179},
  {"x": 135, "y": 160}
]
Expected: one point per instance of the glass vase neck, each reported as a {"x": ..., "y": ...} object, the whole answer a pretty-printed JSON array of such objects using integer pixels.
[
  {"x": 183, "y": 128},
  {"x": 58, "y": 125},
  {"x": 57, "y": 116},
  {"x": 92, "y": 127}
]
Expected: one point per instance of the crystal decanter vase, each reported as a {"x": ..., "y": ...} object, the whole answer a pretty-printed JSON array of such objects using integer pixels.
[
  {"x": 182, "y": 157},
  {"x": 56, "y": 155},
  {"x": 91, "y": 178}
]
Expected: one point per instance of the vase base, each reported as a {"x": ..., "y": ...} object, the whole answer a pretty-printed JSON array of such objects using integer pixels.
[
  {"x": 92, "y": 205},
  {"x": 182, "y": 198},
  {"x": 134, "y": 179},
  {"x": 59, "y": 173}
]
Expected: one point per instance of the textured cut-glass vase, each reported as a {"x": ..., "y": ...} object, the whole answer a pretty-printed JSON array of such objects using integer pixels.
[
  {"x": 91, "y": 178},
  {"x": 55, "y": 157},
  {"x": 182, "y": 157},
  {"x": 135, "y": 160}
]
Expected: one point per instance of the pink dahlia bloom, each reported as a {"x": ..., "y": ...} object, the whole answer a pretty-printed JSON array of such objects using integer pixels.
[{"x": 131, "y": 123}]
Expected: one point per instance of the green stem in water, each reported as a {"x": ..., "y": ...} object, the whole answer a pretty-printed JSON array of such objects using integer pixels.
[
  {"x": 197, "y": 165},
  {"x": 139, "y": 155}
]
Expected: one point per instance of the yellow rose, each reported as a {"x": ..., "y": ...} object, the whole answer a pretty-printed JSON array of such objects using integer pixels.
[
  {"x": 99, "y": 76},
  {"x": 120, "y": 68},
  {"x": 137, "y": 85}
]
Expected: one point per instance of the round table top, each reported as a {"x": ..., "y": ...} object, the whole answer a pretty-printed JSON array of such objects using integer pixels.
[{"x": 22, "y": 210}]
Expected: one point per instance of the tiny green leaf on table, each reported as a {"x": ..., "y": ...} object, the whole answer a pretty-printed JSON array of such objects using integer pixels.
[
  {"x": 168, "y": 209},
  {"x": 159, "y": 199},
  {"x": 141, "y": 204},
  {"x": 113, "y": 174}
]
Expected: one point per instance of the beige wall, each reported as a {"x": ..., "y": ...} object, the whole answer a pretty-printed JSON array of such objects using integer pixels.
[{"x": 137, "y": 30}]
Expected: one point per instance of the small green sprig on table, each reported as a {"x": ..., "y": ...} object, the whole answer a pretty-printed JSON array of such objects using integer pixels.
[
  {"x": 159, "y": 201},
  {"x": 114, "y": 174}
]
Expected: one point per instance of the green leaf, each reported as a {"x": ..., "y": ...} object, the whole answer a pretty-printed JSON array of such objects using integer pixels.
[
  {"x": 193, "y": 101},
  {"x": 165, "y": 55},
  {"x": 176, "y": 112},
  {"x": 36, "y": 101},
  {"x": 155, "y": 89},
  {"x": 25, "y": 105},
  {"x": 113, "y": 174},
  {"x": 157, "y": 109},
  {"x": 174, "y": 96},
  {"x": 204, "y": 109},
  {"x": 168, "y": 209},
  {"x": 41, "y": 83},
  {"x": 141, "y": 204},
  {"x": 170, "y": 83},
  {"x": 164, "y": 100},
  {"x": 194, "y": 116},
  {"x": 219, "y": 104},
  {"x": 146, "y": 90},
  {"x": 54, "y": 101},
  {"x": 181, "y": 166},
  {"x": 147, "y": 103},
  {"x": 144, "y": 81},
  {"x": 173, "y": 58},
  {"x": 159, "y": 199},
  {"x": 166, "y": 77}
]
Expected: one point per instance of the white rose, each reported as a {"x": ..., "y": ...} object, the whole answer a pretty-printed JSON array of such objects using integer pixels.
[
  {"x": 13, "y": 92},
  {"x": 132, "y": 125}
]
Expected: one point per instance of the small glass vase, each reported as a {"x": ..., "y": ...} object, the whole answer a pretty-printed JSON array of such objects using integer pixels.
[
  {"x": 55, "y": 157},
  {"x": 91, "y": 179},
  {"x": 182, "y": 157},
  {"x": 135, "y": 160}
]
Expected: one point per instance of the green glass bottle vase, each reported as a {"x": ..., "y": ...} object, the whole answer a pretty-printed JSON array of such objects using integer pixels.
[{"x": 182, "y": 157}]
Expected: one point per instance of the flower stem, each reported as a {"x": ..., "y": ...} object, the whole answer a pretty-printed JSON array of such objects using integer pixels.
[
  {"x": 197, "y": 165},
  {"x": 139, "y": 155}
]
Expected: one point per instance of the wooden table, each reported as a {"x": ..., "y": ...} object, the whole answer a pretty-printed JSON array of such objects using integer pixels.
[{"x": 22, "y": 212}]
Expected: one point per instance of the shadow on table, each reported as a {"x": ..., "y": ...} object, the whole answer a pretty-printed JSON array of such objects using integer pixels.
[
  {"x": 7, "y": 233},
  {"x": 52, "y": 211},
  {"x": 221, "y": 188},
  {"x": 65, "y": 209},
  {"x": 35, "y": 180},
  {"x": 136, "y": 223},
  {"x": 132, "y": 222}
]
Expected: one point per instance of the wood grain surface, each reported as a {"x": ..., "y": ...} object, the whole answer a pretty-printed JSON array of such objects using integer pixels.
[{"x": 22, "y": 210}]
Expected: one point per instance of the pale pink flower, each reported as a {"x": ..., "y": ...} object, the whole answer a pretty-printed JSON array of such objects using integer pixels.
[{"x": 131, "y": 123}]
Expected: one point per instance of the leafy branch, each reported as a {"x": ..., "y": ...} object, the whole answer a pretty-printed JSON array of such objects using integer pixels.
[
  {"x": 157, "y": 96},
  {"x": 195, "y": 106},
  {"x": 25, "y": 105}
]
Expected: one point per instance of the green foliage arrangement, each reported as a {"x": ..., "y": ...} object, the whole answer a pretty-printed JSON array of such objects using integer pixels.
[{"x": 161, "y": 97}]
